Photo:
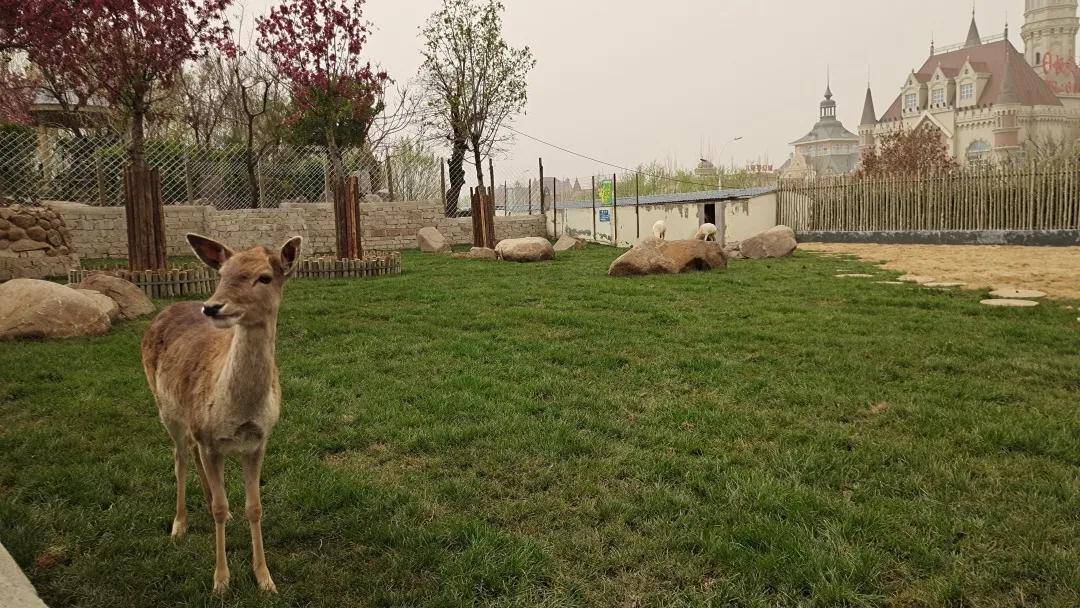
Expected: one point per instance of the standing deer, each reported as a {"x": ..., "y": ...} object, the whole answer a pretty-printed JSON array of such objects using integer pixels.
[{"x": 211, "y": 369}]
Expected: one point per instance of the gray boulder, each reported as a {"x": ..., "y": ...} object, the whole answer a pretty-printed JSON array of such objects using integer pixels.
[
  {"x": 30, "y": 308},
  {"x": 528, "y": 249},
  {"x": 567, "y": 242},
  {"x": 669, "y": 257},
  {"x": 133, "y": 303},
  {"x": 430, "y": 240},
  {"x": 776, "y": 242}
]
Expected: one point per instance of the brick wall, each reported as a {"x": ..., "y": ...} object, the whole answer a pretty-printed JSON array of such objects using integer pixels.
[{"x": 102, "y": 231}]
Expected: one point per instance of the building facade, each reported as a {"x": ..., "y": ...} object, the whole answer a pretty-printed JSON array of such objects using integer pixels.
[
  {"x": 990, "y": 101},
  {"x": 828, "y": 149}
]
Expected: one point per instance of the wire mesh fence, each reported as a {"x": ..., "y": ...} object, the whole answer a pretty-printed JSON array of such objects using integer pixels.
[{"x": 90, "y": 170}]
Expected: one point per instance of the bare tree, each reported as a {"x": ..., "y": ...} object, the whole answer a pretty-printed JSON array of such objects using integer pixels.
[
  {"x": 258, "y": 96},
  {"x": 474, "y": 81},
  {"x": 205, "y": 92}
]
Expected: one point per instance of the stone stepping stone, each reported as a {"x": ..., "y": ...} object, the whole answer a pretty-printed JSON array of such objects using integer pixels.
[
  {"x": 890, "y": 283},
  {"x": 1010, "y": 303},
  {"x": 854, "y": 276},
  {"x": 1017, "y": 294},
  {"x": 944, "y": 285},
  {"x": 914, "y": 278}
]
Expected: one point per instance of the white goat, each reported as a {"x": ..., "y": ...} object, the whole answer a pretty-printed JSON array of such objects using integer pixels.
[
  {"x": 659, "y": 230},
  {"x": 706, "y": 232}
]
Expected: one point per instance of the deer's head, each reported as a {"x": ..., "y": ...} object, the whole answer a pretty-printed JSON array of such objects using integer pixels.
[{"x": 251, "y": 281}]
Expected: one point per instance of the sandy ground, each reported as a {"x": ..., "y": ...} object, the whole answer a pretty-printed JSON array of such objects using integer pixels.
[{"x": 1055, "y": 270}]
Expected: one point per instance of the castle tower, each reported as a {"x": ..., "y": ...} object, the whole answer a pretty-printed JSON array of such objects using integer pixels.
[
  {"x": 1050, "y": 27},
  {"x": 1007, "y": 109},
  {"x": 867, "y": 124}
]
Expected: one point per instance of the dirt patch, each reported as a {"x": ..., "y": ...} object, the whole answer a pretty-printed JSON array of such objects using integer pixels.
[{"x": 1050, "y": 269}]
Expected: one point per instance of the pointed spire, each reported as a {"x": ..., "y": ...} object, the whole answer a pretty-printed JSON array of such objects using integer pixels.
[
  {"x": 1008, "y": 80},
  {"x": 828, "y": 82},
  {"x": 869, "y": 116},
  {"x": 973, "y": 38}
]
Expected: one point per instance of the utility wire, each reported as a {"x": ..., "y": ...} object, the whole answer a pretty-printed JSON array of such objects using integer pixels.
[{"x": 596, "y": 160}]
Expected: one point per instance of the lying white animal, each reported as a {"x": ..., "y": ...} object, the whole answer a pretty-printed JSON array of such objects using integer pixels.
[
  {"x": 706, "y": 232},
  {"x": 659, "y": 230}
]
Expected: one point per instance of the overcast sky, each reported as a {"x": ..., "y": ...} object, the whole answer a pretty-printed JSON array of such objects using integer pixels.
[{"x": 629, "y": 81}]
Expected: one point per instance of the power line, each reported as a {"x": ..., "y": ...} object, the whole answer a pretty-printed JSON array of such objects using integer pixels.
[{"x": 602, "y": 162}]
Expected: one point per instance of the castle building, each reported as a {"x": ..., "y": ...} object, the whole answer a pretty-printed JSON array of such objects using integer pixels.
[
  {"x": 989, "y": 101},
  {"x": 828, "y": 149}
]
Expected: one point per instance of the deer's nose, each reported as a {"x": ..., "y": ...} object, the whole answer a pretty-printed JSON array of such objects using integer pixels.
[{"x": 212, "y": 310}]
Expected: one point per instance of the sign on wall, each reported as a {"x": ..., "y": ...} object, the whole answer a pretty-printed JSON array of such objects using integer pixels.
[{"x": 605, "y": 215}]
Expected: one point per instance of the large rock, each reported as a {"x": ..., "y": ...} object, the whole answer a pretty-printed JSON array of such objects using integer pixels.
[
  {"x": 528, "y": 249},
  {"x": 776, "y": 242},
  {"x": 103, "y": 302},
  {"x": 669, "y": 257},
  {"x": 430, "y": 240},
  {"x": 478, "y": 253},
  {"x": 567, "y": 242},
  {"x": 131, "y": 300},
  {"x": 30, "y": 308}
]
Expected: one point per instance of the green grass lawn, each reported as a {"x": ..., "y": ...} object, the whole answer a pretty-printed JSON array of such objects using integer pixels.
[{"x": 489, "y": 434}]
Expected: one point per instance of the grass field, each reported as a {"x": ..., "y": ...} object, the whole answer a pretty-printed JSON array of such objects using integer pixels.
[{"x": 488, "y": 434}]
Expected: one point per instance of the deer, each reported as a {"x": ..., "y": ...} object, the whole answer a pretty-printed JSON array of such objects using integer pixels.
[{"x": 212, "y": 371}]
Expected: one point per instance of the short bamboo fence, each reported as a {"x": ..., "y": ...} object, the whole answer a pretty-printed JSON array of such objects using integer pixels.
[
  {"x": 1035, "y": 196},
  {"x": 202, "y": 281},
  {"x": 170, "y": 283},
  {"x": 370, "y": 266}
]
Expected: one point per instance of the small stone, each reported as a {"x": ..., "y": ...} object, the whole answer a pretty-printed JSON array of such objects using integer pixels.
[
  {"x": 854, "y": 276},
  {"x": 890, "y": 282},
  {"x": 1018, "y": 294},
  {"x": 22, "y": 221},
  {"x": 28, "y": 245},
  {"x": 914, "y": 278},
  {"x": 1009, "y": 303},
  {"x": 37, "y": 233},
  {"x": 53, "y": 238},
  {"x": 15, "y": 233}
]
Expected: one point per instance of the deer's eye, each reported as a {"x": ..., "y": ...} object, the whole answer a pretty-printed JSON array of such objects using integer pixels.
[{"x": 265, "y": 279}]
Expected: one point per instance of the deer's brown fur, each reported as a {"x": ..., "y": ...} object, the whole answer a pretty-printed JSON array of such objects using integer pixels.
[{"x": 212, "y": 371}]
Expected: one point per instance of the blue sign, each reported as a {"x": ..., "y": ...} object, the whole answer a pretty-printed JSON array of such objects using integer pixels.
[{"x": 605, "y": 215}]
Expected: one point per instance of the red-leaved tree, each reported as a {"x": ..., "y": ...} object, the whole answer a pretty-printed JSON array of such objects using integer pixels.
[
  {"x": 316, "y": 45},
  {"x": 129, "y": 52},
  {"x": 909, "y": 151}
]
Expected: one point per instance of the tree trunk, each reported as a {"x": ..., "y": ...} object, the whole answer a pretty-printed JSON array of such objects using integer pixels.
[
  {"x": 251, "y": 164},
  {"x": 346, "y": 207},
  {"x": 479, "y": 163},
  {"x": 142, "y": 199},
  {"x": 456, "y": 167}
]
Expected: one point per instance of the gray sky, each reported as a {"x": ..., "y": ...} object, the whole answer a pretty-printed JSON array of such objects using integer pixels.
[{"x": 629, "y": 81}]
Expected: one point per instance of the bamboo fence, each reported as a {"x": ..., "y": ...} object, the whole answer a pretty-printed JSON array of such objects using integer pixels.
[
  {"x": 202, "y": 281},
  {"x": 1036, "y": 196},
  {"x": 169, "y": 283}
]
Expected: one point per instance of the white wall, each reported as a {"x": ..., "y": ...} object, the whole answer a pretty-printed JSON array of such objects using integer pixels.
[
  {"x": 738, "y": 220},
  {"x": 744, "y": 219}
]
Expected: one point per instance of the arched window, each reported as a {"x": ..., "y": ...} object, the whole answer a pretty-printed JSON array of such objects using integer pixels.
[
  {"x": 978, "y": 151},
  {"x": 1038, "y": 58}
]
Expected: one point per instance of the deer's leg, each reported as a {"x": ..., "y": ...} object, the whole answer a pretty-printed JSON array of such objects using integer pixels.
[
  {"x": 252, "y": 464},
  {"x": 201, "y": 470},
  {"x": 180, "y": 456},
  {"x": 214, "y": 465}
]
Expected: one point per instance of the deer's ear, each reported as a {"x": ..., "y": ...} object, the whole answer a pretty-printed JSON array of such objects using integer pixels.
[
  {"x": 211, "y": 252},
  {"x": 290, "y": 255}
]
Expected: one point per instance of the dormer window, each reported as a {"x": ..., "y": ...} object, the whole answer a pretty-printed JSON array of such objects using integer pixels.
[
  {"x": 938, "y": 97},
  {"x": 967, "y": 91},
  {"x": 911, "y": 102}
]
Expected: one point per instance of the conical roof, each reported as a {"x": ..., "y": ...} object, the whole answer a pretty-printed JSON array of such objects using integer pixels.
[
  {"x": 973, "y": 38},
  {"x": 1008, "y": 79},
  {"x": 869, "y": 116}
]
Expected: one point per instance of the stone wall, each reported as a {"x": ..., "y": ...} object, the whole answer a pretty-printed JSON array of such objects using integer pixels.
[
  {"x": 98, "y": 232},
  {"x": 34, "y": 243}
]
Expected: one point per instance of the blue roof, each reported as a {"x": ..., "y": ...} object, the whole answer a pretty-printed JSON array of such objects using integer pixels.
[{"x": 707, "y": 196}]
